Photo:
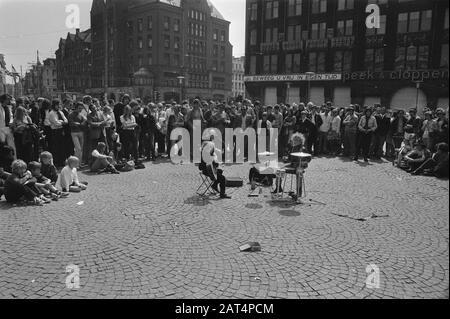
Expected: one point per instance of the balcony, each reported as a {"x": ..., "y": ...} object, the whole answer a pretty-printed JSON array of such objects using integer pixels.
[
  {"x": 417, "y": 38},
  {"x": 269, "y": 46},
  {"x": 343, "y": 42},
  {"x": 292, "y": 45},
  {"x": 374, "y": 41},
  {"x": 316, "y": 44}
]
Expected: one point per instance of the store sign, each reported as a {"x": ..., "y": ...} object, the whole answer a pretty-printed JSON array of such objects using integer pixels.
[
  {"x": 294, "y": 77},
  {"x": 412, "y": 75}
]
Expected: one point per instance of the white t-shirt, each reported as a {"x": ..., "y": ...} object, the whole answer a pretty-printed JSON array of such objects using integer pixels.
[{"x": 68, "y": 177}]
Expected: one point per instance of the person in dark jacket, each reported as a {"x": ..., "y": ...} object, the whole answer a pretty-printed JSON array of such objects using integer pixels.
[
  {"x": 118, "y": 110},
  {"x": 313, "y": 141},
  {"x": 307, "y": 128},
  {"x": 379, "y": 137}
]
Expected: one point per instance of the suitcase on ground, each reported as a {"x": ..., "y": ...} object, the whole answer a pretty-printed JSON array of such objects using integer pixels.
[{"x": 234, "y": 182}]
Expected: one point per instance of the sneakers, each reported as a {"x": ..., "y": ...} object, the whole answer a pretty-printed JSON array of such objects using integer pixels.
[
  {"x": 225, "y": 196},
  {"x": 45, "y": 200}
]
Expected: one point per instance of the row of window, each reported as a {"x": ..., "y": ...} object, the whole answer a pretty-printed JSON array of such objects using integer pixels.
[
  {"x": 294, "y": 8},
  {"x": 196, "y": 15},
  {"x": 406, "y": 58},
  {"x": 416, "y": 21},
  {"x": 216, "y": 51},
  {"x": 149, "y": 42},
  {"x": 198, "y": 30},
  {"x": 149, "y": 25}
]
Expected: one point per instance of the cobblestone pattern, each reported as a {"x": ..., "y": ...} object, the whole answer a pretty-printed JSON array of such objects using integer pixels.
[{"x": 145, "y": 234}]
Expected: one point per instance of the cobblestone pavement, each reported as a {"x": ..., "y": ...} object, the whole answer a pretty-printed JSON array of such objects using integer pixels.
[{"x": 144, "y": 234}]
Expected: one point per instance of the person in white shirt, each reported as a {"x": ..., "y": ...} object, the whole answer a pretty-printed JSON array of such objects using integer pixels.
[
  {"x": 57, "y": 120},
  {"x": 334, "y": 135},
  {"x": 68, "y": 179},
  {"x": 6, "y": 119},
  {"x": 128, "y": 136},
  {"x": 102, "y": 163},
  {"x": 324, "y": 129}
]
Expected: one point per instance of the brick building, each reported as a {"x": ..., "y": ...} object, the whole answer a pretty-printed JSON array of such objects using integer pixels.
[
  {"x": 49, "y": 81},
  {"x": 238, "y": 77},
  {"x": 73, "y": 62},
  {"x": 160, "y": 49},
  {"x": 299, "y": 50}
]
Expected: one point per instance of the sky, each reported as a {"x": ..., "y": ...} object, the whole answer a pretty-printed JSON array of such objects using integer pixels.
[{"x": 30, "y": 25}]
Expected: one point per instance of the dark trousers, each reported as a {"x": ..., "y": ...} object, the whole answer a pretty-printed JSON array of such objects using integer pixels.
[
  {"x": 57, "y": 147},
  {"x": 220, "y": 180},
  {"x": 364, "y": 141},
  {"x": 23, "y": 151},
  {"x": 15, "y": 191},
  {"x": 148, "y": 144},
  {"x": 161, "y": 139},
  {"x": 378, "y": 141},
  {"x": 48, "y": 138},
  {"x": 129, "y": 144},
  {"x": 350, "y": 143},
  {"x": 312, "y": 141}
]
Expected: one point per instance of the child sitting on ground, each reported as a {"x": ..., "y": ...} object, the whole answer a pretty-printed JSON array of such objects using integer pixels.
[
  {"x": 102, "y": 163},
  {"x": 68, "y": 179},
  {"x": 44, "y": 184},
  {"x": 19, "y": 186},
  {"x": 3, "y": 177},
  {"x": 407, "y": 146},
  {"x": 47, "y": 168}
]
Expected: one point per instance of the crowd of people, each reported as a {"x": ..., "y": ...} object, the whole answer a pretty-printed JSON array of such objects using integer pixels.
[{"x": 106, "y": 136}]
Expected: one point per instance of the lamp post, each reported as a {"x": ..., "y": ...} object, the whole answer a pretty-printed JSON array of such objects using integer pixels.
[
  {"x": 180, "y": 82},
  {"x": 309, "y": 75},
  {"x": 417, "y": 93}
]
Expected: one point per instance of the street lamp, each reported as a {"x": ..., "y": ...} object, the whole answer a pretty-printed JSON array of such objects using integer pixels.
[
  {"x": 180, "y": 82},
  {"x": 309, "y": 75},
  {"x": 417, "y": 93}
]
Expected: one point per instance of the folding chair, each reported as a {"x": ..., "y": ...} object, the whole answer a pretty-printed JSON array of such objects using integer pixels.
[{"x": 205, "y": 188}]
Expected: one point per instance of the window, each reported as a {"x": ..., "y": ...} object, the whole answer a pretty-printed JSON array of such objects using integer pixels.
[
  {"x": 318, "y": 30},
  {"x": 150, "y": 59},
  {"x": 176, "y": 60},
  {"x": 272, "y": 9},
  {"x": 166, "y": 59},
  {"x": 412, "y": 57},
  {"x": 342, "y": 61},
  {"x": 166, "y": 23},
  {"x": 345, "y": 4},
  {"x": 149, "y": 42},
  {"x": 140, "y": 27},
  {"x": 294, "y": 33},
  {"x": 444, "y": 56},
  {"x": 222, "y": 36},
  {"x": 381, "y": 30},
  {"x": 167, "y": 41},
  {"x": 149, "y": 23},
  {"x": 222, "y": 52},
  {"x": 374, "y": 59},
  {"x": 140, "y": 43},
  {"x": 446, "y": 20},
  {"x": 317, "y": 61},
  {"x": 414, "y": 21},
  {"x": 215, "y": 34},
  {"x": 293, "y": 63},
  {"x": 215, "y": 50},
  {"x": 253, "y": 37},
  {"x": 176, "y": 25},
  {"x": 130, "y": 27},
  {"x": 344, "y": 28},
  {"x": 295, "y": 7},
  {"x": 222, "y": 67},
  {"x": 253, "y": 11},
  {"x": 319, "y": 6},
  {"x": 139, "y": 61},
  {"x": 270, "y": 64},
  {"x": 176, "y": 44},
  {"x": 253, "y": 64}
]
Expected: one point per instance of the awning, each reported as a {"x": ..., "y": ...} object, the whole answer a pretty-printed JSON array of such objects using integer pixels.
[
  {"x": 342, "y": 97},
  {"x": 407, "y": 98}
]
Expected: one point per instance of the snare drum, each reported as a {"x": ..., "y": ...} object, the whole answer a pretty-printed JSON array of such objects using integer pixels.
[{"x": 300, "y": 157}]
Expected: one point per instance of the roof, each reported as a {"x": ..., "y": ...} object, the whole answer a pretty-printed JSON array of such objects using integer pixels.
[
  {"x": 214, "y": 12},
  {"x": 176, "y": 3},
  {"x": 85, "y": 36}
]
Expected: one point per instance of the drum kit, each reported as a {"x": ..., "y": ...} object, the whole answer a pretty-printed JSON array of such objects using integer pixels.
[{"x": 298, "y": 162}]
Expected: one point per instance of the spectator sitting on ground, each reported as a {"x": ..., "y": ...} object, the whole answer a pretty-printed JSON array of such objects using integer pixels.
[
  {"x": 416, "y": 157},
  {"x": 48, "y": 170},
  {"x": 102, "y": 163},
  {"x": 437, "y": 165},
  {"x": 3, "y": 177},
  {"x": 407, "y": 146},
  {"x": 6, "y": 157},
  {"x": 19, "y": 186},
  {"x": 43, "y": 183},
  {"x": 68, "y": 179}
]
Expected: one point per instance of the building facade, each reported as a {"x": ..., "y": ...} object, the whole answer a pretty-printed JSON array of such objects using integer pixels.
[
  {"x": 238, "y": 77},
  {"x": 73, "y": 63},
  {"x": 49, "y": 82},
  {"x": 160, "y": 49},
  {"x": 318, "y": 50}
]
